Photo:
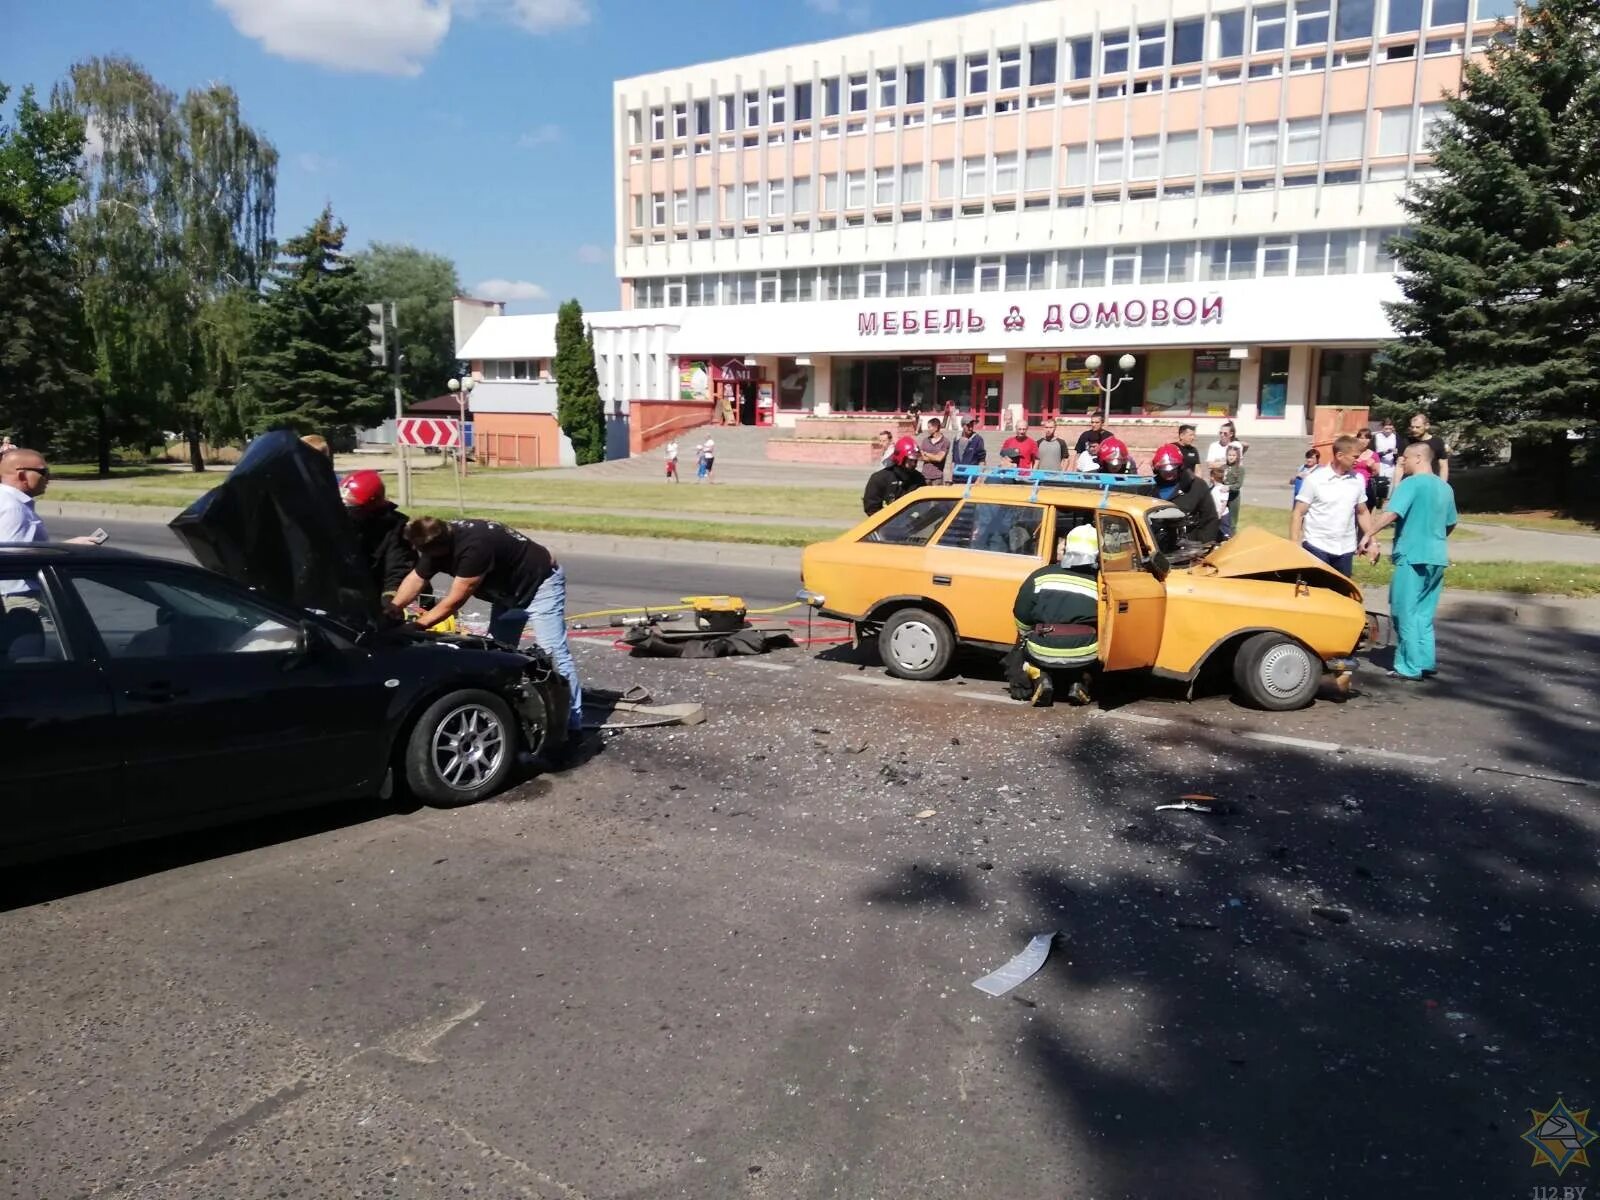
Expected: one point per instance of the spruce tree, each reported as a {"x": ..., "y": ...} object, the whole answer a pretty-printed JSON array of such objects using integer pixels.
[
  {"x": 578, "y": 407},
  {"x": 1500, "y": 269},
  {"x": 309, "y": 367}
]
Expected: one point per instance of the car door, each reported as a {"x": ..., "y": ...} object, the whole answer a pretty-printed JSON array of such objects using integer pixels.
[
  {"x": 981, "y": 558},
  {"x": 892, "y": 558},
  {"x": 1133, "y": 602},
  {"x": 56, "y": 725},
  {"x": 217, "y": 706}
]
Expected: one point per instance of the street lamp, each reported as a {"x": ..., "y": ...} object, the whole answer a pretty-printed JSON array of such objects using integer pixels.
[
  {"x": 462, "y": 389},
  {"x": 1127, "y": 363}
]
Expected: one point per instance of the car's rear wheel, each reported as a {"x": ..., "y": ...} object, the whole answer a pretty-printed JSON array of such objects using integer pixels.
[
  {"x": 915, "y": 644},
  {"x": 462, "y": 748},
  {"x": 1276, "y": 673}
]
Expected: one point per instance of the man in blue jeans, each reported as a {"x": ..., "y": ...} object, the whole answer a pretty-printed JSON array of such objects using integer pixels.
[
  {"x": 1329, "y": 508},
  {"x": 519, "y": 578},
  {"x": 1425, "y": 507}
]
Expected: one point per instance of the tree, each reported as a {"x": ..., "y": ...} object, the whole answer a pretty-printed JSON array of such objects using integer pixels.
[
  {"x": 176, "y": 213},
  {"x": 43, "y": 380},
  {"x": 309, "y": 366},
  {"x": 424, "y": 286},
  {"x": 578, "y": 408},
  {"x": 1500, "y": 325}
]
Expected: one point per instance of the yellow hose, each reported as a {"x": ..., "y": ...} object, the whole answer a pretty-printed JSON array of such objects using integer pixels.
[{"x": 663, "y": 608}]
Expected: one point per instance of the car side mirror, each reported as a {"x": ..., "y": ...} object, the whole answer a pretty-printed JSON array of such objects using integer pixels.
[
  {"x": 1159, "y": 566},
  {"x": 310, "y": 643}
]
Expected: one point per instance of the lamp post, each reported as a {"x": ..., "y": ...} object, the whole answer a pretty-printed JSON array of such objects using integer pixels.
[
  {"x": 462, "y": 389},
  {"x": 1127, "y": 363}
]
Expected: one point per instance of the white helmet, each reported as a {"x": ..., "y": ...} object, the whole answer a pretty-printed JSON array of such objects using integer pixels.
[{"x": 1083, "y": 547}]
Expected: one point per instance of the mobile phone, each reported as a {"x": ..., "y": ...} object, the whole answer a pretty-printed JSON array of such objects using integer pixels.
[{"x": 99, "y": 536}]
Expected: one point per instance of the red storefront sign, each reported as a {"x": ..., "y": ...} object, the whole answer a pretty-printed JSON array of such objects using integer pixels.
[{"x": 1129, "y": 313}]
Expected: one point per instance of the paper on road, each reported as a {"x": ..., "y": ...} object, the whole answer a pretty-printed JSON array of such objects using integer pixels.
[{"x": 1020, "y": 969}]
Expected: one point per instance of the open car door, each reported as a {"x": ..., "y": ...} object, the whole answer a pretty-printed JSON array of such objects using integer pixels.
[{"x": 1133, "y": 602}]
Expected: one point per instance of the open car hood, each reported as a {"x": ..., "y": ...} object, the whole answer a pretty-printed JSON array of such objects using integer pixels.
[
  {"x": 1257, "y": 554},
  {"x": 277, "y": 524}
]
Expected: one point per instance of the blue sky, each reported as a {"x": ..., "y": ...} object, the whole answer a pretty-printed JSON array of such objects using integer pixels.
[{"x": 480, "y": 129}]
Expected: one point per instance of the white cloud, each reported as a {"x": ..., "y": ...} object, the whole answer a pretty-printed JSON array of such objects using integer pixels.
[
  {"x": 385, "y": 37},
  {"x": 590, "y": 253},
  {"x": 509, "y": 289},
  {"x": 850, "y": 11},
  {"x": 541, "y": 136}
]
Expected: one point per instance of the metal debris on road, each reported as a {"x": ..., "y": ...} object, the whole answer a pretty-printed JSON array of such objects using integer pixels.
[
  {"x": 1187, "y": 806},
  {"x": 1020, "y": 969},
  {"x": 1339, "y": 916}
]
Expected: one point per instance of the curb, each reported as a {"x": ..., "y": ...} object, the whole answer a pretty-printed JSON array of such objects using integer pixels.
[{"x": 1529, "y": 612}]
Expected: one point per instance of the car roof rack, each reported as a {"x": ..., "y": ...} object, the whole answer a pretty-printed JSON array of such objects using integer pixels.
[{"x": 1104, "y": 484}]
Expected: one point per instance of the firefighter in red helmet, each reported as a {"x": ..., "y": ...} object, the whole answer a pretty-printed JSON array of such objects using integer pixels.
[
  {"x": 1114, "y": 457},
  {"x": 889, "y": 483},
  {"x": 380, "y": 527},
  {"x": 1180, "y": 487}
]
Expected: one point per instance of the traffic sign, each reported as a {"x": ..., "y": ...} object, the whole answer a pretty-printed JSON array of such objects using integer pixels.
[
  {"x": 468, "y": 429},
  {"x": 428, "y": 431}
]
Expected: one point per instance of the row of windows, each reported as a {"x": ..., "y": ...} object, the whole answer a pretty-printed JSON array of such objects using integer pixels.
[
  {"x": 516, "y": 369},
  {"x": 1261, "y": 146},
  {"x": 1336, "y": 252},
  {"x": 1266, "y": 28}
]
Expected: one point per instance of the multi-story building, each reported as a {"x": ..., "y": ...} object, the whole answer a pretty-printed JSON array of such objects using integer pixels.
[{"x": 962, "y": 211}]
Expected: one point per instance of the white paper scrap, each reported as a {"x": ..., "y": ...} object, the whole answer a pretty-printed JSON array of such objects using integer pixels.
[{"x": 1020, "y": 969}]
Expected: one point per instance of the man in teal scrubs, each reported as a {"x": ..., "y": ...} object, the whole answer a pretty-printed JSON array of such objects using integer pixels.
[{"x": 1425, "y": 508}]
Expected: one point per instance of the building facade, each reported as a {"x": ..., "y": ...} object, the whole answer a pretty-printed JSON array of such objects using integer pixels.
[{"x": 958, "y": 213}]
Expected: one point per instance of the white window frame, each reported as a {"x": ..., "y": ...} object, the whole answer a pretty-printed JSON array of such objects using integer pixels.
[
  {"x": 680, "y": 208},
  {"x": 1009, "y": 59},
  {"x": 1261, "y": 23},
  {"x": 1112, "y": 43},
  {"x": 1144, "y": 157},
  {"x": 704, "y": 212},
  {"x": 658, "y": 124},
  {"x": 883, "y": 188},
  {"x": 1310, "y": 11},
  {"x": 658, "y": 209},
  {"x": 856, "y": 96},
  {"x": 830, "y": 194},
  {"x": 1005, "y": 174},
  {"x": 889, "y": 87},
  {"x": 911, "y": 184},
  {"x": 752, "y": 110},
  {"x": 974, "y": 176},
  {"x": 1182, "y": 154},
  {"x": 680, "y": 120},
  {"x": 1345, "y": 128},
  {"x": 1261, "y": 146},
  {"x": 1075, "y": 166},
  {"x": 752, "y": 201},
  {"x": 1037, "y": 168},
  {"x": 730, "y": 113},
  {"x": 777, "y": 198},
  {"x": 1110, "y": 161},
  {"x": 1151, "y": 36},
  {"x": 777, "y": 106},
  {"x": 1302, "y": 141},
  {"x": 976, "y": 75},
  {"x": 855, "y": 189},
  {"x": 1394, "y": 144},
  {"x": 1429, "y": 115}
]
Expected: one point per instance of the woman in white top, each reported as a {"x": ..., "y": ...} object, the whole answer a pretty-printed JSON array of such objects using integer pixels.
[{"x": 1217, "y": 452}]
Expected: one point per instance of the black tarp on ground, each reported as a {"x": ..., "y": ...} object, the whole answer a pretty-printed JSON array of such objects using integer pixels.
[
  {"x": 277, "y": 524},
  {"x": 646, "y": 642}
]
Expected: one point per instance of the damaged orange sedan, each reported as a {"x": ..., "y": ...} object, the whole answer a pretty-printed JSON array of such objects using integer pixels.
[{"x": 941, "y": 568}]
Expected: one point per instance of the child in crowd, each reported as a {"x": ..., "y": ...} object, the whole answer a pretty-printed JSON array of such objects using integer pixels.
[
  {"x": 1219, "y": 497},
  {"x": 1313, "y": 461},
  {"x": 1233, "y": 476},
  {"x": 672, "y": 460}
]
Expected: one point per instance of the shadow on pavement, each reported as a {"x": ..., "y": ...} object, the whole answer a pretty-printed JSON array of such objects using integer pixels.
[{"x": 1206, "y": 1033}]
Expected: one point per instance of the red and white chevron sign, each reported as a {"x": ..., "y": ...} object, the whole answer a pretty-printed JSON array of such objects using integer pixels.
[{"x": 429, "y": 431}]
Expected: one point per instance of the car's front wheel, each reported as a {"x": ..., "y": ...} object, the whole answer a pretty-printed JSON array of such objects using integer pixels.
[
  {"x": 1276, "y": 673},
  {"x": 915, "y": 644},
  {"x": 462, "y": 748}
]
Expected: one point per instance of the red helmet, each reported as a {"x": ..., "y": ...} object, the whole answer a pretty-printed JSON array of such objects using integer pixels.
[
  {"x": 362, "y": 489},
  {"x": 904, "y": 451},
  {"x": 1167, "y": 462},
  {"x": 1111, "y": 451}
]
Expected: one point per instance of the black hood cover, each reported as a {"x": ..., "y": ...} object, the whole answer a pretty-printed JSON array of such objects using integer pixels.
[{"x": 278, "y": 524}]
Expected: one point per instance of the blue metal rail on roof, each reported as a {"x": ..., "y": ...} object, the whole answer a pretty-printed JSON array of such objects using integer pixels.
[{"x": 1104, "y": 484}]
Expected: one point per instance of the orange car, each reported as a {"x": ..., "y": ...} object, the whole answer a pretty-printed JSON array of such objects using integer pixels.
[{"x": 941, "y": 567}]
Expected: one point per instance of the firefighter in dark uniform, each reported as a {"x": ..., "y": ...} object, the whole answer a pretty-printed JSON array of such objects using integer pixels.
[
  {"x": 889, "y": 483},
  {"x": 381, "y": 528},
  {"x": 1184, "y": 490},
  {"x": 1058, "y": 620}
]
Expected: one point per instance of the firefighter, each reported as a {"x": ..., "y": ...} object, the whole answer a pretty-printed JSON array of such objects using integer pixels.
[
  {"x": 889, "y": 483},
  {"x": 380, "y": 528},
  {"x": 1058, "y": 623},
  {"x": 1113, "y": 457},
  {"x": 1180, "y": 487}
]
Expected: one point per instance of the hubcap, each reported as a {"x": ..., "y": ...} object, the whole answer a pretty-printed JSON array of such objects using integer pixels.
[
  {"x": 469, "y": 745},
  {"x": 914, "y": 645},
  {"x": 1285, "y": 669}
]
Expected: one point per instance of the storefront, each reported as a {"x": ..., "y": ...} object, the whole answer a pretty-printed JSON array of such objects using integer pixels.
[{"x": 742, "y": 395}]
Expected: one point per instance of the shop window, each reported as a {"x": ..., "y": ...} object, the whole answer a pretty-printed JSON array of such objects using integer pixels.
[
  {"x": 988, "y": 270},
  {"x": 1273, "y": 397},
  {"x": 1342, "y": 379},
  {"x": 1216, "y": 384},
  {"x": 995, "y": 529},
  {"x": 1275, "y": 256},
  {"x": 1124, "y": 261},
  {"x": 914, "y": 525}
]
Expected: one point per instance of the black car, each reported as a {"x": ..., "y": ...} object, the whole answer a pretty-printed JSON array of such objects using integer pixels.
[{"x": 141, "y": 696}]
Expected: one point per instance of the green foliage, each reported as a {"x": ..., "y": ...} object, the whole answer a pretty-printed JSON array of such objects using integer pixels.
[
  {"x": 424, "y": 286},
  {"x": 578, "y": 408},
  {"x": 1500, "y": 325},
  {"x": 309, "y": 366},
  {"x": 175, "y": 214},
  {"x": 43, "y": 380}
]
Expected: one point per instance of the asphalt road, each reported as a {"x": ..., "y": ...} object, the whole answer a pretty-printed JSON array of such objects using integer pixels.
[{"x": 736, "y": 959}]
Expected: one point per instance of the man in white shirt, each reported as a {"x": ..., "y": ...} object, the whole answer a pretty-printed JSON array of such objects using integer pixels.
[
  {"x": 24, "y": 475},
  {"x": 1331, "y": 504},
  {"x": 1386, "y": 445}
]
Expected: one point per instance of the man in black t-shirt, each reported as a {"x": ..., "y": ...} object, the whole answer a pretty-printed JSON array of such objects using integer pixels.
[
  {"x": 1091, "y": 437},
  {"x": 1419, "y": 432},
  {"x": 519, "y": 578},
  {"x": 1186, "y": 446}
]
